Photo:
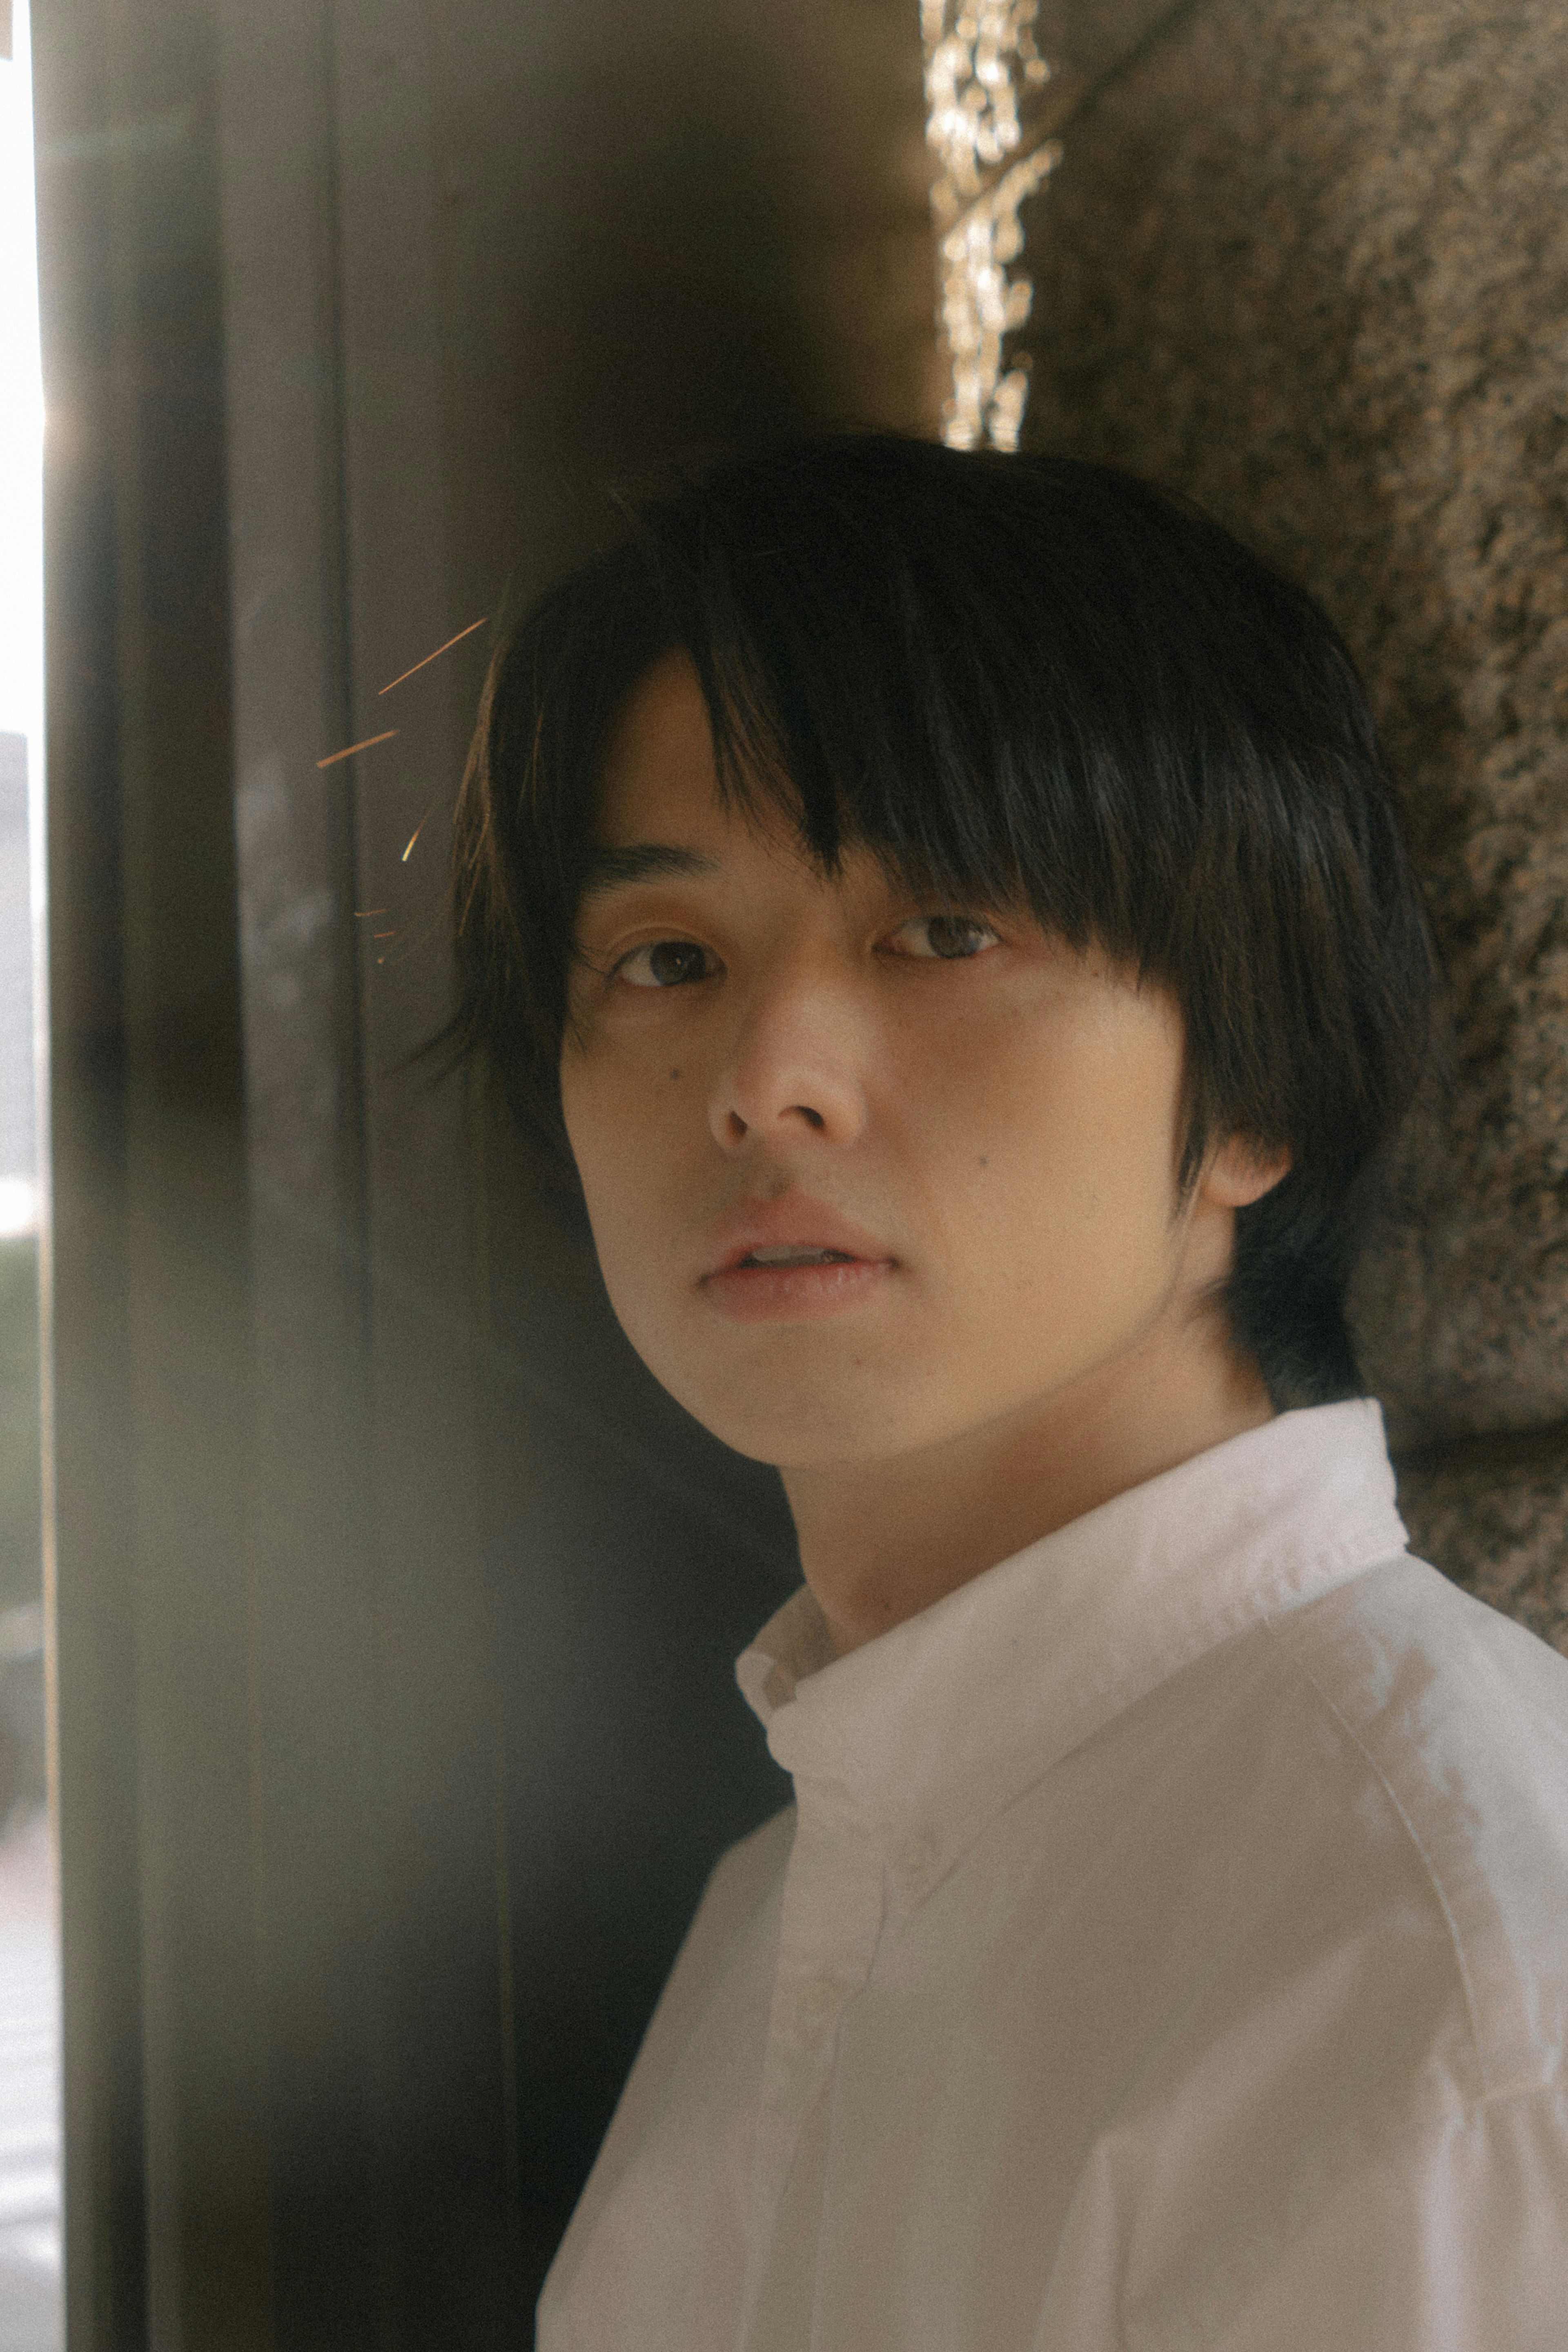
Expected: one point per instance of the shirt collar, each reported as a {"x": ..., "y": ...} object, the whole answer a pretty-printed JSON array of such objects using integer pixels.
[{"x": 934, "y": 1725}]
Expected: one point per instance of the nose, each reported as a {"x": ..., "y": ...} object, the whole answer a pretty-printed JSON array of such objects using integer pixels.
[{"x": 794, "y": 1066}]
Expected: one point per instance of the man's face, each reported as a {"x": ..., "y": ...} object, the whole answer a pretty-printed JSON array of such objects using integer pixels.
[{"x": 865, "y": 1174}]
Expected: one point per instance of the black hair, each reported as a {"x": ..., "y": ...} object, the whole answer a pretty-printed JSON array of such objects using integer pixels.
[{"x": 1018, "y": 679}]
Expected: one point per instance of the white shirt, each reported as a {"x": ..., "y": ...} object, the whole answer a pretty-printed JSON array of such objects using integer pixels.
[{"x": 1167, "y": 1947}]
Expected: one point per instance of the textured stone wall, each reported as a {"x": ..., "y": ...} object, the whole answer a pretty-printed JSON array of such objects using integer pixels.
[{"x": 1309, "y": 260}]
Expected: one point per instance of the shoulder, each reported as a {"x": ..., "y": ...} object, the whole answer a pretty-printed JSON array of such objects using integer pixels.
[
  {"x": 1346, "y": 2122},
  {"x": 1459, "y": 1719}
]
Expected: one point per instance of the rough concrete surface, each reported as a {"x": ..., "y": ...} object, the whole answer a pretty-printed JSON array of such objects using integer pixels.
[
  {"x": 1309, "y": 260},
  {"x": 1494, "y": 1517}
]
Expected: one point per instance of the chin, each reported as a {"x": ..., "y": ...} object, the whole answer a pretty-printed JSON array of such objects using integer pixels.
[{"x": 793, "y": 1433}]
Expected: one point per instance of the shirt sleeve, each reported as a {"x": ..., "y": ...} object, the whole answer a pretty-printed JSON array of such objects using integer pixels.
[
  {"x": 1454, "y": 2238},
  {"x": 1457, "y": 2244}
]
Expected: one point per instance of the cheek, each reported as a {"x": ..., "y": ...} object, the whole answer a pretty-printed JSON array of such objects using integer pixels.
[
  {"x": 627, "y": 1123},
  {"x": 600, "y": 1130},
  {"x": 1064, "y": 1158}
]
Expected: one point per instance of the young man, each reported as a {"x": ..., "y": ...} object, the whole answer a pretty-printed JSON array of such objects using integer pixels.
[{"x": 950, "y": 916}]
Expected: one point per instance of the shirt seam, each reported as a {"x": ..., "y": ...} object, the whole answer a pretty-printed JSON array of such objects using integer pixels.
[
  {"x": 1488, "y": 2089},
  {"x": 1115, "y": 1698}
]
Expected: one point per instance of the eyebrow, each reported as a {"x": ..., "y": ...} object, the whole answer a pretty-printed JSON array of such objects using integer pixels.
[{"x": 615, "y": 867}]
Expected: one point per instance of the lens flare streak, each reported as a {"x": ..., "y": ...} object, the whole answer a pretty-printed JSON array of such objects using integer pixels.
[
  {"x": 349, "y": 749},
  {"x": 447, "y": 648}
]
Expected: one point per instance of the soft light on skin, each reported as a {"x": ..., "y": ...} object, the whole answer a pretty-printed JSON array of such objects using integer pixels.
[{"x": 1038, "y": 1328}]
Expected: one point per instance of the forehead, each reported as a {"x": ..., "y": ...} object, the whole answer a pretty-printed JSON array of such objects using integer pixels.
[{"x": 658, "y": 769}]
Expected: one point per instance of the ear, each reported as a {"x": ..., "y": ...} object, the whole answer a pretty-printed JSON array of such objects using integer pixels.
[{"x": 1238, "y": 1172}]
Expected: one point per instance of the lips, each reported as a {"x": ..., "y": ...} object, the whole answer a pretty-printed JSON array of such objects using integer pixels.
[
  {"x": 790, "y": 1261},
  {"x": 792, "y": 1230}
]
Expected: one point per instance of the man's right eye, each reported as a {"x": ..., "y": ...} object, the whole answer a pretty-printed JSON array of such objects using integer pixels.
[{"x": 664, "y": 963}]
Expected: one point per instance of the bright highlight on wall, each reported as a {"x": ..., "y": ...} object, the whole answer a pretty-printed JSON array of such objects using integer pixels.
[
  {"x": 982, "y": 68},
  {"x": 21, "y": 615},
  {"x": 21, "y": 407}
]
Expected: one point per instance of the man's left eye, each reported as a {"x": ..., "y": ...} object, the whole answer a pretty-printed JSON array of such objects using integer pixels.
[
  {"x": 663, "y": 963},
  {"x": 949, "y": 936}
]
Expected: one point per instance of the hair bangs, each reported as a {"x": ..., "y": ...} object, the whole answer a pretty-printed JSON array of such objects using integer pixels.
[{"x": 866, "y": 693}]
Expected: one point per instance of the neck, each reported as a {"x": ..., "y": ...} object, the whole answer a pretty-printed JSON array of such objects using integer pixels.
[{"x": 881, "y": 1540}]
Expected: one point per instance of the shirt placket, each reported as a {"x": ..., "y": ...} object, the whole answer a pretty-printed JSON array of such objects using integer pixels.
[{"x": 831, "y": 1922}]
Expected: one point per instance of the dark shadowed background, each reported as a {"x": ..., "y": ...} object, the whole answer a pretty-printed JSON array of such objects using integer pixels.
[{"x": 397, "y": 1607}]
